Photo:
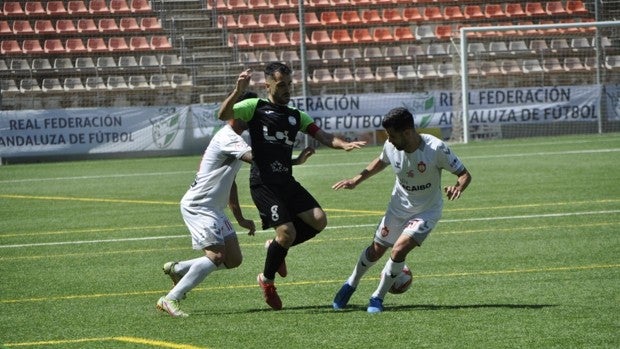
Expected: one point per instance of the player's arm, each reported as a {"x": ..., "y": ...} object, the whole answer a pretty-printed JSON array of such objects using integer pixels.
[
  {"x": 463, "y": 179},
  {"x": 226, "y": 109},
  {"x": 233, "y": 204},
  {"x": 303, "y": 156},
  {"x": 334, "y": 142},
  {"x": 373, "y": 168}
]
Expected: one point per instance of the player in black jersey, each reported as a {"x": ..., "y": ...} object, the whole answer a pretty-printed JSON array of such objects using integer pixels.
[{"x": 282, "y": 202}]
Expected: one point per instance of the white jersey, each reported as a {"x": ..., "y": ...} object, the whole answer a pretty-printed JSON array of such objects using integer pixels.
[
  {"x": 418, "y": 175},
  {"x": 218, "y": 168}
]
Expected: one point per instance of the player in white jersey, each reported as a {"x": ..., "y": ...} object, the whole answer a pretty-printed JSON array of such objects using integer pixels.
[{"x": 416, "y": 203}]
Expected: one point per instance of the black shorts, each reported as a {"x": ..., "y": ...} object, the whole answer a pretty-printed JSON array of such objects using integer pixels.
[{"x": 279, "y": 203}]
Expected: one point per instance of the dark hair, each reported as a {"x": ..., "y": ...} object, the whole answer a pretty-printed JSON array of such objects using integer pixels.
[
  {"x": 398, "y": 119},
  {"x": 274, "y": 67},
  {"x": 247, "y": 95}
]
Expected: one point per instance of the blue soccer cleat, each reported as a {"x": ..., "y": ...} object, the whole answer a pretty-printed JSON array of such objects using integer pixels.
[
  {"x": 375, "y": 305},
  {"x": 343, "y": 296}
]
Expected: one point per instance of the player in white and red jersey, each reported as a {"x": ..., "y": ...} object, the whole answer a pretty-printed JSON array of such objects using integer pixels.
[{"x": 416, "y": 202}]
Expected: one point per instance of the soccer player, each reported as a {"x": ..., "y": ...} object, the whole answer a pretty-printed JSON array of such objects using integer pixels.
[
  {"x": 202, "y": 208},
  {"x": 283, "y": 203},
  {"x": 416, "y": 203}
]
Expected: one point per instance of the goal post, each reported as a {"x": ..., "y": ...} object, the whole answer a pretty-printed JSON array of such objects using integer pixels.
[{"x": 538, "y": 79}]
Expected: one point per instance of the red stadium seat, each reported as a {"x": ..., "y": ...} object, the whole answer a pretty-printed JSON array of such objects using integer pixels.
[
  {"x": 403, "y": 34},
  {"x": 514, "y": 10},
  {"x": 98, "y": 7},
  {"x": 151, "y": 24},
  {"x": 330, "y": 18},
  {"x": 129, "y": 24},
  {"x": 453, "y": 13},
  {"x": 10, "y": 47},
  {"x": 119, "y": 7},
  {"x": 576, "y": 7},
  {"x": 65, "y": 26},
  {"x": 56, "y": 8},
  {"x": 268, "y": 20},
  {"x": 13, "y": 9},
  {"x": 226, "y": 21},
  {"x": 350, "y": 17},
  {"x": 382, "y": 34},
  {"x": 96, "y": 45},
  {"x": 5, "y": 29},
  {"x": 289, "y": 20},
  {"x": 77, "y": 7},
  {"x": 258, "y": 4},
  {"x": 32, "y": 47},
  {"x": 535, "y": 9},
  {"x": 412, "y": 14},
  {"x": 279, "y": 39},
  {"x": 319, "y": 37},
  {"x": 247, "y": 20},
  {"x": 22, "y": 27},
  {"x": 117, "y": 44},
  {"x": 494, "y": 11},
  {"x": 108, "y": 25},
  {"x": 473, "y": 12},
  {"x": 391, "y": 15},
  {"x": 432, "y": 13},
  {"x": 139, "y": 43},
  {"x": 555, "y": 8},
  {"x": 237, "y": 40},
  {"x": 53, "y": 46},
  {"x": 87, "y": 26},
  {"x": 160, "y": 42},
  {"x": 44, "y": 26},
  {"x": 371, "y": 17},
  {"x": 341, "y": 36},
  {"x": 258, "y": 40},
  {"x": 34, "y": 8},
  {"x": 75, "y": 45},
  {"x": 310, "y": 19},
  {"x": 361, "y": 35}
]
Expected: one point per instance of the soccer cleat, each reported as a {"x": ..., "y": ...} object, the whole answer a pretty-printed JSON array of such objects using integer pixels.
[
  {"x": 343, "y": 296},
  {"x": 171, "y": 307},
  {"x": 169, "y": 270},
  {"x": 282, "y": 271},
  {"x": 269, "y": 291},
  {"x": 375, "y": 305}
]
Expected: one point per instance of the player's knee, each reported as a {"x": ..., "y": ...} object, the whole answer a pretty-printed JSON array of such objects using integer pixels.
[
  {"x": 319, "y": 223},
  {"x": 233, "y": 262}
]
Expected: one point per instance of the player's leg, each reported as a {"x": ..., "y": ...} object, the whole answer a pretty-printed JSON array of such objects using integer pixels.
[{"x": 232, "y": 255}]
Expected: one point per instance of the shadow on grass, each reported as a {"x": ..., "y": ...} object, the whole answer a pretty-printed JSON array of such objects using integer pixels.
[{"x": 356, "y": 308}]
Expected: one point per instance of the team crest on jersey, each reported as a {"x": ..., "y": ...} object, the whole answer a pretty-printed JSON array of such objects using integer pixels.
[
  {"x": 292, "y": 120},
  {"x": 385, "y": 231},
  {"x": 421, "y": 166},
  {"x": 165, "y": 127}
]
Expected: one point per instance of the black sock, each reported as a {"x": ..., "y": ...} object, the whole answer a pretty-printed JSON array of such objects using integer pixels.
[{"x": 275, "y": 257}]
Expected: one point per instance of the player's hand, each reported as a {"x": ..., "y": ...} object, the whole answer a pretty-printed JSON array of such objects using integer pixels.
[
  {"x": 452, "y": 192},
  {"x": 304, "y": 155},
  {"x": 353, "y": 145},
  {"x": 243, "y": 81},
  {"x": 249, "y": 225},
  {"x": 344, "y": 184}
]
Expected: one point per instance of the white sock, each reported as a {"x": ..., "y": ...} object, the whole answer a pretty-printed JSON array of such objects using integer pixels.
[
  {"x": 388, "y": 275},
  {"x": 182, "y": 267},
  {"x": 200, "y": 268},
  {"x": 362, "y": 266}
]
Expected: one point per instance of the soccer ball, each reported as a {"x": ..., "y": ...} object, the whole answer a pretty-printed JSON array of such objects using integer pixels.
[{"x": 402, "y": 282}]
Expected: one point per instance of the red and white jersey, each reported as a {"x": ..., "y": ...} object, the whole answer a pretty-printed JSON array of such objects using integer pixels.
[
  {"x": 218, "y": 168},
  {"x": 418, "y": 175}
]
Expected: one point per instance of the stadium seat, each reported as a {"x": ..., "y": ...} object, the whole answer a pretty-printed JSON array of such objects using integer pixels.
[
  {"x": 159, "y": 81},
  {"x": 65, "y": 27},
  {"x": 552, "y": 65},
  {"x": 535, "y": 9},
  {"x": 510, "y": 67},
  {"x": 127, "y": 62},
  {"x": 129, "y": 25},
  {"x": 432, "y": 13},
  {"x": 476, "y": 49},
  {"x": 117, "y": 44},
  {"x": 139, "y": 43},
  {"x": 237, "y": 5},
  {"x": 217, "y": 5},
  {"x": 393, "y": 53},
  {"x": 493, "y": 11},
  {"x": 150, "y": 24},
  {"x": 119, "y": 7},
  {"x": 538, "y": 45},
  {"x": 313, "y": 55},
  {"x": 13, "y": 9},
  {"x": 137, "y": 82},
  {"x": 94, "y": 83},
  {"x": 279, "y": 4},
  {"x": 402, "y": 34},
  {"x": 415, "y": 51},
  {"x": 329, "y": 18},
  {"x": 384, "y": 73},
  {"x": 489, "y": 68},
  {"x": 612, "y": 62},
  {"x": 320, "y": 37},
  {"x": 34, "y": 8},
  {"x": 531, "y": 66},
  {"x": 404, "y": 72},
  {"x": 160, "y": 43},
  {"x": 116, "y": 82},
  {"x": 436, "y": 49},
  {"x": 140, "y": 6},
  {"x": 363, "y": 74},
  {"x": 444, "y": 31},
  {"x": 391, "y": 15},
  {"x": 22, "y": 27},
  {"x": 372, "y": 53},
  {"x": 289, "y": 56},
  {"x": 96, "y": 45},
  {"x": 382, "y": 34},
  {"x": 331, "y": 55},
  {"x": 51, "y": 85},
  {"x": 498, "y": 47},
  {"x": 8, "y": 86},
  {"x": 514, "y": 10},
  {"x": 559, "y": 45},
  {"x": 580, "y": 43},
  {"x": 39, "y": 64},
  {"x": 170, "y": 60},
  {"x": 341, "y": 36},
  {"x": 289, "y": 20},
  {"x": 517, "y": 47},
  {"x": 350, "y": 17},
  {"x": 180, "y": 80},
  {"x": 351, "y": 54},
  {"x": 343, "y": 75},
  {"x": 371, "y": 17},
  {"x": 267, "y": 56},
  {"x": 279, "y": 39},
  {"x": 237, "y": 40},
  {"x": 573, "y": 64},
  {"x": 412, "y": 14},
  {"x": 453, "y": 13},
  {"x": 473, "y": 12},
  {"x": 576, "y": 7},
  {"x": 98, "y": 7},
  {"x": 318, "y": 3},
  {"x": 426, "y": 71},
  {"x": 311, "y": 19},
  {"x": 106, "y": 62},
  {"x": 361, "y": 35},
  {"x": 5, "y": 28},
  {"x": 446, "y": 69},
  {"x": 61, "y": 64},
  {"x": 45, "y": 26},
  {"x": 29, "y": 86},
  {"x": 257, "y": 39},
  {"x": 247, "y": 21},
  {"x": 108, "y": 26},
  {"x": 268, "y": 20},
  {"x": 53, "y": 46},
  {"x": 75, "y": 45},
  {"x": 18, "y": 64},
  {"x": 32, "y": 47},
  {"x": 226, "y": 21},
  {"x": 85, "y": 64},
  {"x": 56, "y": 8},
  {"x": 87, "y": 26},
  {"x": 148, "y": 61},
  {"x": 555, "y": 8},
  {"x": 321, "y": 76},
  {"x": 425, "y": 32},
  {"x": 296, "y": 39},
  {"x": 73, "y": 84},
  {"x": 77, "y": 8}
]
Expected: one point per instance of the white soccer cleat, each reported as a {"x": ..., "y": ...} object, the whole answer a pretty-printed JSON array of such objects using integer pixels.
[{"x": 171, "y": 307}]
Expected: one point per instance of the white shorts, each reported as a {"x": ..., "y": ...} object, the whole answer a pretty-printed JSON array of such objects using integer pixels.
[
  {"x": 207, "y": 227},
  {"x": 416, "y": 226}
]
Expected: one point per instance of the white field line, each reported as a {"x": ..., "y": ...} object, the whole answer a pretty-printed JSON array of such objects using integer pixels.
[
  {"x": 547, "y": 215},
  {"x": 142, "y": 174}
]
